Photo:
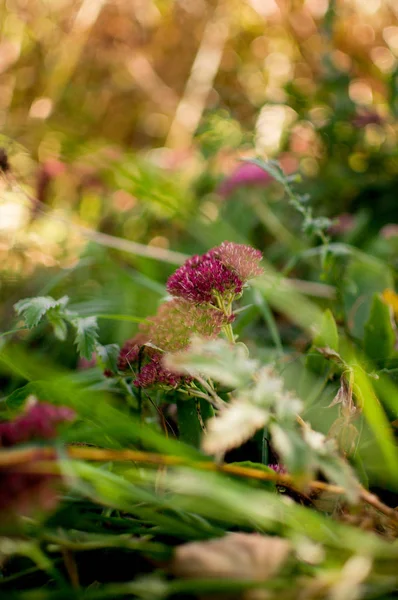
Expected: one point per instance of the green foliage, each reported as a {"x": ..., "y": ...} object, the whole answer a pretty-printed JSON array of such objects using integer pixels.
[
  {"x": 306, "y": 375},
  {"x": 380, "y": 336},
  {"x": 33, "y": 310},
  {"x": 86, "y": 335}
]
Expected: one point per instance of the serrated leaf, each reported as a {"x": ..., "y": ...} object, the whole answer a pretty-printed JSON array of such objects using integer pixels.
[
  {"x": 379, "y": 338},
  {"x": 86, "y": 335},
  {"x": 33, "y": 309}
]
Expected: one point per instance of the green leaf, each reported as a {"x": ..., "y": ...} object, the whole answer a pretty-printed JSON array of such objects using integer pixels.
[
  {"x": 326, "y": 337},
  {"x": 362, "y": 279},
  {"x": 33, "y": 309},
  {"x": 379, "y": 338},
  {"x": 86, "y": 335}
]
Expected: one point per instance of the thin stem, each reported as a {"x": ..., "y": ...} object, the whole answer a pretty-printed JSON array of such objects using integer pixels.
[
  {"x": 218, "y": 402},
  {"x": 22, "y": 459},
  {"x": 198, "y": 394}
]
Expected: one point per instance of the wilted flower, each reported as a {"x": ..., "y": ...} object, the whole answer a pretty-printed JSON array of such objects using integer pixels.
[
  {"x": 245, "y": 174},
  {"x": 24, "y": 492},
  {"x": 244, "y": 260},
  {"x": 201, "y": 278}
]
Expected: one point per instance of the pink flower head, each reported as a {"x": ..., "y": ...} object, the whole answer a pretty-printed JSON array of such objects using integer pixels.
[
  {"x": 244, "y": 260},
  {"x": 177, "y": 321},
  {"x": 203, "y": 277},
  {"x": 38, "y": 422},
  {"x": 245, "y": 174}
]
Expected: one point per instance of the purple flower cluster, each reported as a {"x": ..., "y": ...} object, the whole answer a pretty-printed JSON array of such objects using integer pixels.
[
  {"x": 203, "y": 277},
  {"x": 153, "y": 373},
  {"x": 169, "y": 330},
  {"x": 24, "y": 492},
  {"x": 220, "y": 272},
  {"x": 203, "y": 289}
]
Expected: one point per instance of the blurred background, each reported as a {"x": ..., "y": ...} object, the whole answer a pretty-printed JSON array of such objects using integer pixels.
[{"x": 124, "y": 123}]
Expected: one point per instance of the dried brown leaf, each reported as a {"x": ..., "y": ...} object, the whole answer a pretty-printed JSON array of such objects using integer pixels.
[{"x": 235, "y": 556}]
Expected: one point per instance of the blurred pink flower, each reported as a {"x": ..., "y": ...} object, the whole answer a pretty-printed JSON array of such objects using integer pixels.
[
  {"x": 389, "y": 231},
  {"x": 343, "y": 223},
  {"x": 246, "y": 174},
  {"x": 39, "y": 421},
  {"x": 23, "y": 492}
]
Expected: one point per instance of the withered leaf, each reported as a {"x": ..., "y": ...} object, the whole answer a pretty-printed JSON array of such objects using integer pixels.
[
  {"x": 234, "y": 556},
  {"x": 331, "y": 354}
]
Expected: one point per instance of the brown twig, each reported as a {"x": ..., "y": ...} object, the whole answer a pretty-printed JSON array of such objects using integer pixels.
[{"x": 20, "y": 459}]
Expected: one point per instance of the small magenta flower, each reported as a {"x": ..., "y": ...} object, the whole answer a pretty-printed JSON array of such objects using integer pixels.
[
  {"x": 278, "y": 468},
  {"x": 202, "y": 278},
  {"x": 243, "y": 260}
]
